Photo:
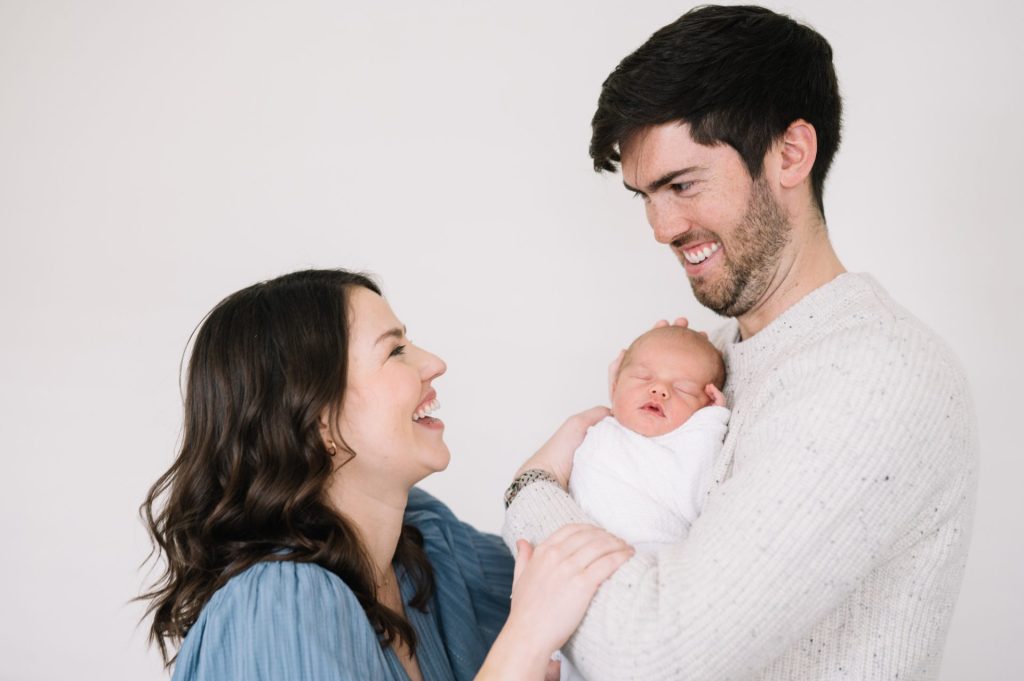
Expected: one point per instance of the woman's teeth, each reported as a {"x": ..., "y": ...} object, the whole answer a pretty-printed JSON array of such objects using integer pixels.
[
  {"x": 427, "y": 409},
  {"x": 699, "y": 255}
]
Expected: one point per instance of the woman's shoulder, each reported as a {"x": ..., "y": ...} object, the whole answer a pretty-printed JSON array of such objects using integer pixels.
[
  {"x": 273, "y": 594},
  {"x": 279, "y": 581},
  {"x": 272, "y": 611}
]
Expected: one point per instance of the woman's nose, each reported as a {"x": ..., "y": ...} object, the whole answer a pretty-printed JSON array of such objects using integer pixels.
[{"x": 432, "y": 367}]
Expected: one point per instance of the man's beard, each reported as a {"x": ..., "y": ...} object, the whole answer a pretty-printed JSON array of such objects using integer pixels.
[{"x": 751, "y": 255}]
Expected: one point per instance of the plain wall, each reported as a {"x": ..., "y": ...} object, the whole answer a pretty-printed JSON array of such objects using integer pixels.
[{"x": 155, "y": 157}]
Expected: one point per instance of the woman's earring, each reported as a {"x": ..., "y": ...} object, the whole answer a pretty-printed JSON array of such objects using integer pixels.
[{"x": 331, "y": 449}]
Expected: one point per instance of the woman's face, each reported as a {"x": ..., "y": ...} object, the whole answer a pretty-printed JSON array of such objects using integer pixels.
[{"x": 387, "y": 396}]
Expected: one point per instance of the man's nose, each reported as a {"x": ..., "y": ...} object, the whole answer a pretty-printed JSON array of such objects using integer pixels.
[{"x": 667, "y": 222}]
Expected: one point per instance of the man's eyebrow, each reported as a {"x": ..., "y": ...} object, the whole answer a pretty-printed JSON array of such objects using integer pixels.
[
  {"x": 663, "y": 180},
  {"x": 396, "y": 332}
]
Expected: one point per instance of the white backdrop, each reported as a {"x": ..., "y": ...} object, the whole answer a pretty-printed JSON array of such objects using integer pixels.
[{"x": 155, "y": 157}]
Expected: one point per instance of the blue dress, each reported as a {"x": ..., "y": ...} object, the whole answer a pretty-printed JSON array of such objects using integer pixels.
[{"x": 286, "y": 620}]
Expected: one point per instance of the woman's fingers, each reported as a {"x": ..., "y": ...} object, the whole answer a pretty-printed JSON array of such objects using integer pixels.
[
  {"x": 606, "y": 565},
  {"x": 576, "y": 547},
  {"x": 524, "y": 551},
  {"x": 555, "y": 580}
]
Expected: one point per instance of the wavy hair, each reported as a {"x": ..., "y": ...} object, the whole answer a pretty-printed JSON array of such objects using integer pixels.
[{"x": 249, "y": 482}]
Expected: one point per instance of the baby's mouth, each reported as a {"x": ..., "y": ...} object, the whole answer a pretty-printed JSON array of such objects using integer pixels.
[{"x": 653, "y": 408}]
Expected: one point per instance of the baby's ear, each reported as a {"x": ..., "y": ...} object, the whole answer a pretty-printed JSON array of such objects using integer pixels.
[{"x": 715, "y": 395}]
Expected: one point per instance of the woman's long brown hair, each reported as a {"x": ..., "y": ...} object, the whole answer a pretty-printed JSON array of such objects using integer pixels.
[{"x": 249, "y": 482}]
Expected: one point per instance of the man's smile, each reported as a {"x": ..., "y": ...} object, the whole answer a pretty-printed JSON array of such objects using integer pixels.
[{"x": 701, "y": 252}]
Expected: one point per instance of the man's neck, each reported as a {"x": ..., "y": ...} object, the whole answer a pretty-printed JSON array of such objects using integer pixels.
[{"x": 807, "y": 264}]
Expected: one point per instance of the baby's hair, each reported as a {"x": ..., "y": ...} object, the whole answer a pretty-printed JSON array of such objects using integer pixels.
[{"x": 689, "y": 340}]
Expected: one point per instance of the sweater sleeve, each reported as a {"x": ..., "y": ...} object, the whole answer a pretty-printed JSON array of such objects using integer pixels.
[
  {"x": 851, "y": 458},
  {"x": 281, "y": 621}
]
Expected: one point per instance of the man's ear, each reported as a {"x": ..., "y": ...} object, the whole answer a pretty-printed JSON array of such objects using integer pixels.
[{"x": 799, "y": 149}]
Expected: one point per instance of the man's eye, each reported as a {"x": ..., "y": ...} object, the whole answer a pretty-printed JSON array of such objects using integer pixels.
[
  {"x": 680, "y": 187},
  {"x": 399, "y": 350}
]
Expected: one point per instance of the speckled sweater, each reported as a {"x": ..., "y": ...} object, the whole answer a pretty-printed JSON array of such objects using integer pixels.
[{"x": 833, "y": 541}]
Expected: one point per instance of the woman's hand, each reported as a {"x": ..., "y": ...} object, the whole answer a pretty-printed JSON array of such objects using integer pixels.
[
  {"x": 553, "y": 585},
  {"x": 556, "y": 455}
]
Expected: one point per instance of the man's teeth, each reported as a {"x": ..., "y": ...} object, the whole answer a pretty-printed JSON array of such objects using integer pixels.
[
  {"x": 701, "y": 254},
  {"x": 428, "y": 408}
]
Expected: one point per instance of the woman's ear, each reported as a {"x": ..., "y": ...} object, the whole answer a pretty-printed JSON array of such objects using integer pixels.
[
  {"x": 327, "y": 431},
  {"x": 798, "y": 152}
]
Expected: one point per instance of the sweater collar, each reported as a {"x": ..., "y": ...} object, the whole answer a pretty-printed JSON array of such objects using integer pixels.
[{"x": 804, "y": 317}]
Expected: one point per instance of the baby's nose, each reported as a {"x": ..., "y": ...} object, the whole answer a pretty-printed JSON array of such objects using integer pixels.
[{"x": 660, "y": 391}]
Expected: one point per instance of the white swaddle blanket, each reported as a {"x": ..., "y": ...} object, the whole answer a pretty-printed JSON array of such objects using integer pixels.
[{"x": 646, "y": 490}]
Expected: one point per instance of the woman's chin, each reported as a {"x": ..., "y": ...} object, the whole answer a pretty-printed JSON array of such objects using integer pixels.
[{"x": 436, "y": 458}]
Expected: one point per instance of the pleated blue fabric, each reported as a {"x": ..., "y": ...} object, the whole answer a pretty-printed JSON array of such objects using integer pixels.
[{"x": 284, "y": 620}]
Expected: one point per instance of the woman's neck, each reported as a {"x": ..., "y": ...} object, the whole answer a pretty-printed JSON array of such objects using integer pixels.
[{"x": 377, "y": 517}]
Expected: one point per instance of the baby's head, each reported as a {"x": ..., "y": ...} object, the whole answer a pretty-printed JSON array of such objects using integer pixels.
[{"x": 662, "y": 380}]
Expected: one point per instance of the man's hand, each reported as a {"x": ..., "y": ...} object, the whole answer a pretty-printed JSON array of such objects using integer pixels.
[{"x": 556, "y": 455}]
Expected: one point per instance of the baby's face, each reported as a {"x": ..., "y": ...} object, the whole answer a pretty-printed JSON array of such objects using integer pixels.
[{"x": 660, "y": 386}]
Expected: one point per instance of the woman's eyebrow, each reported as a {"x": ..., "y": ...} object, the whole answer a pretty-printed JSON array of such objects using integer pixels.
[{"x": 397, "y": 332}]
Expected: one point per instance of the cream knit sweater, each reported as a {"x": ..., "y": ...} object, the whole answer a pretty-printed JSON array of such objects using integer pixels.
[{"x": 833, "y": 541}]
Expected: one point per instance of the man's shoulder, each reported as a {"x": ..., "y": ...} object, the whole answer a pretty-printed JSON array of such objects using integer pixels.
[
  {"x": 851, "y": 333},
  {"x": 876, "y": 331}
]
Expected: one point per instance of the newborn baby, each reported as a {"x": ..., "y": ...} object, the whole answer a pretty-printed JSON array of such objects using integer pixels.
[{"x": 643, "y": 473}]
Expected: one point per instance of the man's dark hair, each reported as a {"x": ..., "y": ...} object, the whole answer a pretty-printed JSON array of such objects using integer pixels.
[{"x": 738, "y": 75}]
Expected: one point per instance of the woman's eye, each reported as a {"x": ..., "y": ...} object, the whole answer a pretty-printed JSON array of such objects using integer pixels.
[{"x": 399, "y": 350}]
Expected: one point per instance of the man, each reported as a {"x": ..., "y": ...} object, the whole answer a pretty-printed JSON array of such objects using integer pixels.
[{"x": 833, "y": 540}]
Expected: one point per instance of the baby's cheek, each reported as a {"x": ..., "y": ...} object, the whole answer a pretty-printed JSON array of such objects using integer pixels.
[{"x": 619, "y": 402}]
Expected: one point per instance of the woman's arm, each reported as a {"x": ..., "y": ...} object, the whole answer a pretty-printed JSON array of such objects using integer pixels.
[
  {"x": 473, "y": 571},
  {"x": 554, "y": 584}
]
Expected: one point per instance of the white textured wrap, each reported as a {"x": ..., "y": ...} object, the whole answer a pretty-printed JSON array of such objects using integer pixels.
[{"x": 648, "y": 490}]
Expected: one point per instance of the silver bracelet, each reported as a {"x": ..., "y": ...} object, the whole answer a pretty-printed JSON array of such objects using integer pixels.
[{"x": 524, "y": 479}]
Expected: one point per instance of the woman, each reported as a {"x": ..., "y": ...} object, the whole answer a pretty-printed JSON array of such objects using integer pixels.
[{"x": 295, "y": 542}]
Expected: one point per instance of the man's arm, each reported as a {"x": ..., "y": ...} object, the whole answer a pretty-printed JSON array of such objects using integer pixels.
[{"x": 838, "y": 476}]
